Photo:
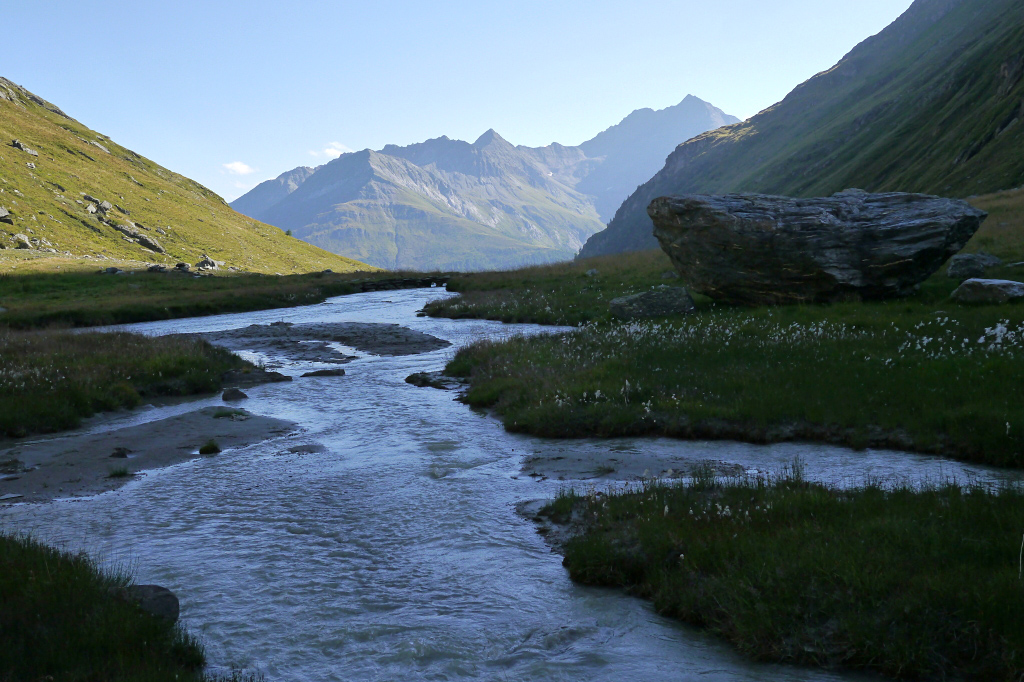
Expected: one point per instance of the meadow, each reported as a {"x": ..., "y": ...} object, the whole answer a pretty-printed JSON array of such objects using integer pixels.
[
  {"x": 910, "y": 582},
  {"x": 47, "y": 299},
  {"x": 51, "y": 380}
]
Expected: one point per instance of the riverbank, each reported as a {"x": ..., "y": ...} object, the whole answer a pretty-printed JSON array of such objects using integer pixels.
[
  {"x": 910, "y": 583},
  {"x": 80, "y": 465},
  {"x": 61, "y": 620},
  {"x": 51, "y": 380},
  {"x": 40, "y": 300}
]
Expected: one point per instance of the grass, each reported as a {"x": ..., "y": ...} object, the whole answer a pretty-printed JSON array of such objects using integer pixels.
[
  {"x": 118, "y": 472},
  {"x": 228, "y": 413},
  {"x": 911, "y": 583},
  {"x": 51, "y": 380},
  {"x": 559, "y": 294},
  {"x": 59, "y": 621},
  {"x": 87, "y": 299},
  {"x": 210, "y": 447},
  {"x": 187, "y": 219}
]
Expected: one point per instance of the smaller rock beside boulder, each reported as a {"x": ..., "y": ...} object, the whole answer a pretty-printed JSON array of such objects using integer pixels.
[
  {"x": 971, "y": 265},
  {"x": 153, "y": 599},
  {"x": 978, "y": 290},
  {"x": 233, "y": 394},
  {"x": 660, "y": 302}
]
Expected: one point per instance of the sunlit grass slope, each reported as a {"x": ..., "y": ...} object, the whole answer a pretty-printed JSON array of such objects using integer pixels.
[{"x": 47, "y": 203}]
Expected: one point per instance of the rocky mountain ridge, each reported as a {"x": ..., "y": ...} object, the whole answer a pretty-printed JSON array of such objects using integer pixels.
[
  {"x": 450, "y": 204},
  {"x": 934, "y": 103}
]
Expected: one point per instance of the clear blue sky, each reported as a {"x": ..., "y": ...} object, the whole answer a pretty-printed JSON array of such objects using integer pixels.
[{"x": 232, "y": 92}]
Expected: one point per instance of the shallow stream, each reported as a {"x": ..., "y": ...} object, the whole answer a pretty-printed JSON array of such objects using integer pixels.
[{"x": 380, "y": 541}]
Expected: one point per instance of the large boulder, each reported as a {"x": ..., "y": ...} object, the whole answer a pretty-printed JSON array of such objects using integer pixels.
[
  {"x": 988, "y": 291},
  {"x": 5, "y": 216},
  {"x": 661, "y": 301},
  {"x": 757, "y": 249}
]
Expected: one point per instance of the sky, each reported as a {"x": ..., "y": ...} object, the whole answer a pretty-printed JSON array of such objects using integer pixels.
[{"x": 233, "y": 92}]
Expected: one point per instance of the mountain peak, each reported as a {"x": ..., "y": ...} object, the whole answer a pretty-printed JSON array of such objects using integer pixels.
[{"x": 489, "y": 138}]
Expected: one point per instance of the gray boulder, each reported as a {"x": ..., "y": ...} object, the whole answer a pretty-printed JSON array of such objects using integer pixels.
[
  {"x": 988, "y": 291},
  {"x": 659, "y": 302},
  {"x": 971, "y": 265},
  {"x": 105, "y": 206},
  {"x": 757, "y": 249},
  {"x": 157, "y": 267},
  {"x": 207, "y": 263},
  {"x": 153, "y": 599},
  {"x": 18, "y": 144},
  {"x": 5, "y": 216},
  {"x": 149, "y": 242},
  {"x": 21, "y": 241},
  {"x": 233, "y": 394}
]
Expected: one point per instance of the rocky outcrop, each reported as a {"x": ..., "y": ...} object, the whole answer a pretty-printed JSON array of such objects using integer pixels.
[
  {"x": 757, "y": 249},
  {"x": 18, "y": 144},
  {"x": 988, "y": 291},
  {"x": 661, "y": 301}
]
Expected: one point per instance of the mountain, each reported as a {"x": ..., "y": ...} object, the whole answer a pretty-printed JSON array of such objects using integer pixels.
[
  {"x": 71, "y": 198},
  {"x": 934, "y": 103},
  {"x": 454, "y": 205}
]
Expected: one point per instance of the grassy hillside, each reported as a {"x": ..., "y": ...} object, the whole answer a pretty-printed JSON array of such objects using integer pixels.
[
  {"x": 47, "y": 203},
  {"x": 934, "y": 104}
]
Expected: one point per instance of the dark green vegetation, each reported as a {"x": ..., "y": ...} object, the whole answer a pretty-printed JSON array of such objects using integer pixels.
[
  {"x": 78, "y": 299},
  {"x": 934, "y": 104},
  {"x": 51, "y": 380},
  {"x": 58, "y": 621},
  {"x": 210, "y": 447},
  {"x": 458, "y": 206},
  {"x": 562, "y": 293},
  {"x": 187, "y": 220},
  {"x": 920, "y": 373},
  {"x": 915, "y": 584}
]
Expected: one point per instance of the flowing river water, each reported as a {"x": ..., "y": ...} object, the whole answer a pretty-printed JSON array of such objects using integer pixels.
[{"x": 393, "y": 551}]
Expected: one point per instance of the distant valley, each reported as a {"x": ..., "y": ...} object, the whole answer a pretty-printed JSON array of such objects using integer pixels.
[{"x": 447, "y": 204}]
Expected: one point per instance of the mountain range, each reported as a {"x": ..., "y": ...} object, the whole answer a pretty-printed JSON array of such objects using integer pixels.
[
  {"x": 454, "y": 205},
  {"x": 71, "y": 198},
  {"x": 934, "y": 103}
]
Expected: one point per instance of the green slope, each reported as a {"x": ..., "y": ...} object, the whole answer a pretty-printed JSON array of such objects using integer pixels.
[
  {"x": 934, "y": 103},
  {"x": 46, "y": 203}
]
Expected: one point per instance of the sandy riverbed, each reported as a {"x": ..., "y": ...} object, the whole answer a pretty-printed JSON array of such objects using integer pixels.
[{"x": 76, "y": 465}]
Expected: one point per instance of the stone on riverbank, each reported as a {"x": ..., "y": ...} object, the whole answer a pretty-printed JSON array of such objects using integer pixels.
[
  {"x": 153, "y": 599},
  {"x": 661, "y": 301},
  {"x": 232, "y": 395},
  {"x": 757, "y": 249},
  {"x": 988, "y": 291}
]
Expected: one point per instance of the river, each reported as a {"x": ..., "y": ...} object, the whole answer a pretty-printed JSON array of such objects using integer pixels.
[{"x": 393, "y": 552}]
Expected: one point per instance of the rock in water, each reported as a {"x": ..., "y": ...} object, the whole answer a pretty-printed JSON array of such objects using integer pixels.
[
  {"x": 658, "y": 302},
  {"x": 757, "y": 249},
  {"x": 988, "y": 291}
]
